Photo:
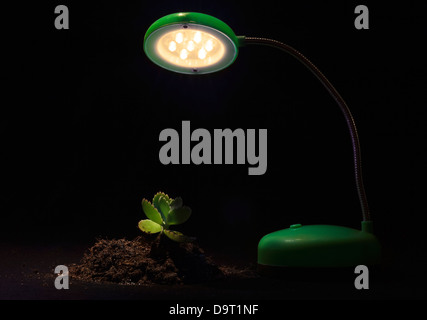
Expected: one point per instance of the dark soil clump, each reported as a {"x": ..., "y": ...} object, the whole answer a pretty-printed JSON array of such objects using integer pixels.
[{"x": 145, "y": 260}]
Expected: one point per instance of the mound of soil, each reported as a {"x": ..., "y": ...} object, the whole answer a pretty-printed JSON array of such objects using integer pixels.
[{"x": 145, "y": 260}]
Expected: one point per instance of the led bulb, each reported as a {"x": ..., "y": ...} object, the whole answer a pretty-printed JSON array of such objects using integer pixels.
[
  {"x": 190, "y": 47},
  {"x": 202, "y": 53},
  {"x": 209, "y": 45},
  {"x": 184, "y": 54},
  {"x": 198, "y": 37},
  {"x": 172, "y": 46},
  {"x": 179, "y": 37}
]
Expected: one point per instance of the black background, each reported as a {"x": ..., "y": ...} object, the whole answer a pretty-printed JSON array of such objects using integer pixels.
[{"x": 83, "y": 109}]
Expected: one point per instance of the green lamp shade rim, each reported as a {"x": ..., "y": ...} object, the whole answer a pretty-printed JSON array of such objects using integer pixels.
[
  {"x": 318, "y": 246},
  {"x": 197, "y": 21}
]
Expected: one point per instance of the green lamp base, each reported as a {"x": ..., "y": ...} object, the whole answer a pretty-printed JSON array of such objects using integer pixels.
[{"x": 319, "y": 246}]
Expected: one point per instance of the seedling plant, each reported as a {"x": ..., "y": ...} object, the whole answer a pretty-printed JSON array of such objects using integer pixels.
[{"x": 163, "y": 213}]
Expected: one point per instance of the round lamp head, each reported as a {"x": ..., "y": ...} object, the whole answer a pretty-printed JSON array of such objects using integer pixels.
[{"x": 191, "y": 43}]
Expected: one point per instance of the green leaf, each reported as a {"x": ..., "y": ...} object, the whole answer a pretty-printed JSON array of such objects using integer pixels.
[
  {"x": 164, "y": 208},
  {"x": 157, "y": 198},
  {"x": 176, "y": 203},
  {"x": 149, "y": 226},
  {"x": 151, "y": 212},
  {"x": 178, "y": 216},
  {"x": 177, "y": 236}
]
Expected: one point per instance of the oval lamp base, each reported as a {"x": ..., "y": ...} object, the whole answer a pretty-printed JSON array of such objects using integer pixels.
[{"x": 320, "y": 246}]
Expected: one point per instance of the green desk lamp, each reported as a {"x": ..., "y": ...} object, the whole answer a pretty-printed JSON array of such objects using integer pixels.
[{"x": 196, "y": 43}]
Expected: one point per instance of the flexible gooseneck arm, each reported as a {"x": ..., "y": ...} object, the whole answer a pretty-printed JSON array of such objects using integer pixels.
[{"x": 341, "y": 103}]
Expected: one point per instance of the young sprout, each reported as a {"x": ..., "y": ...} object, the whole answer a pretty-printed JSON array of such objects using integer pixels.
[{"x": 163, "y": 213}]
